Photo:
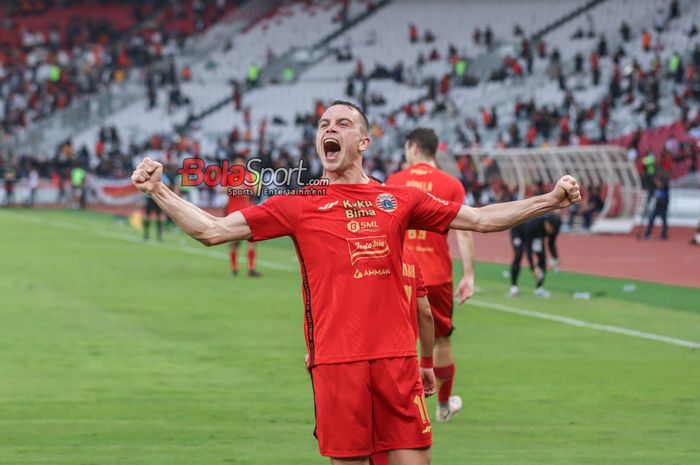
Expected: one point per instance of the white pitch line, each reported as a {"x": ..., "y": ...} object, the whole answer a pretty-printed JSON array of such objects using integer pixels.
[
  {"x": 277, "y": 266},
  {"x": 585, "y": 324},
  {"x": 203, "y": 251}
]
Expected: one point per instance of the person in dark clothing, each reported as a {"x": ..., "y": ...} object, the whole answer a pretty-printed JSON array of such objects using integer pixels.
[
  {"x": 625, "y": 31},
  {"x": 594, "y": 205},
  {"x": 153, "y": 212},
  {"x": 530, "y": 237},
  {"x": 661, "y": 195}
]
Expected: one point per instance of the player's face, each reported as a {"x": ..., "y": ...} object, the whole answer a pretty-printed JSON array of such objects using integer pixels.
[{"x": 341, "y": 138}]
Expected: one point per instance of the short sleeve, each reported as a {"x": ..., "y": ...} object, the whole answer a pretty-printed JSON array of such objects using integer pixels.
[
  {"x": 276, "y": 217},
  {"x": 421, "y": 290},
  {"x": 430, "y": 213}
]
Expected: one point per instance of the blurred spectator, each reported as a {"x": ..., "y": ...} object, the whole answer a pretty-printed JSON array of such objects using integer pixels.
[{"x": 661, "y": 196}]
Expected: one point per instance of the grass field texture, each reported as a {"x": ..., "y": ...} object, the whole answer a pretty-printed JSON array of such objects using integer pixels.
[{"x": 116, "y": 351}]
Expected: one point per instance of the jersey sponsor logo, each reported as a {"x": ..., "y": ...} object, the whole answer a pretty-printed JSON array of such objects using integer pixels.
[
  {"x": 409, "y": 270},
  {"x": 358, "y": 209},
  {"x": 438, "y": 199},
  {"x": 386, "y": 202},
  {"x": 357, "y": 204},
  {"x": 419, "y": 171},
  {"x": 372, "y": 272},
  {"x": 422, "y": 185},
  {"x": 328, "y": 206},
  {"x": 355, "y": 226},
  {"x": 368, "y": 247}
]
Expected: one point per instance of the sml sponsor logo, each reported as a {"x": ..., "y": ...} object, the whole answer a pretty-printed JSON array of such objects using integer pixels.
[
  {"x": 356, "y": 226},
  {"x": 372, "y": 272},
  {"x": 367, "y": 247},
  {"x": 358, "y": 209}
]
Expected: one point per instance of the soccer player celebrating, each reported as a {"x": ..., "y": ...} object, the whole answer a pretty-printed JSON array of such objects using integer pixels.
[
  {"x": 433, "y": 255},
  {"x": 362, "y": 351},
  {"x": 235, "y": 203}
]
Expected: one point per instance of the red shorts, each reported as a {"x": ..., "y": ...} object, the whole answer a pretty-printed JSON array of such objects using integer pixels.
[
  {"x": 370, "y": 406},
  {"x": 442, "y": 305}
]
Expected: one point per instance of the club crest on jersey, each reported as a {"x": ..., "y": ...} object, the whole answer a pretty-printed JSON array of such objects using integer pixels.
[{"x": 386, "y": 202}]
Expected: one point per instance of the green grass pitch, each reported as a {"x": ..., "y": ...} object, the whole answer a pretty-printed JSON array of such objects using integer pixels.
[{"x": 115, "y": 351}]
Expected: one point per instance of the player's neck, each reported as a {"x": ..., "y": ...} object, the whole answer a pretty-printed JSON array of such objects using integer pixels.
[
  {"x": 426, "y": 161},
  {"x": 353, "y": 175}
]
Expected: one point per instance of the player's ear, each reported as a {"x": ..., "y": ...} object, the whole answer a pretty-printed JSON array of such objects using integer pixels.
[{"x": 364, "y": 143}]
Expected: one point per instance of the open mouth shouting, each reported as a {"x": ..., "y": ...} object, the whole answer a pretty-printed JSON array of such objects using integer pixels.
[{"x": 331, "y": 148}]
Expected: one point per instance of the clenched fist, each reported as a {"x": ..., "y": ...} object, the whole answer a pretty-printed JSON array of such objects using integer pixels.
[
  {"x": 566, "y": 192},
  {"x": 147, "y": 176}
]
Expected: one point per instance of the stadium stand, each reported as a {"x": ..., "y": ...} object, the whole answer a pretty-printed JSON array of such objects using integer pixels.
[{"x": 566, "y": 73}]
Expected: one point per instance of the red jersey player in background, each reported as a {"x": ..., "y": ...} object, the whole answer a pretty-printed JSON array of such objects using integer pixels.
[
  {"x": 349, "y": 240},
  {"x": 433, "y": 255},
  {"x": 235, "y": 203},
  {"x": 422, "y": 319}
]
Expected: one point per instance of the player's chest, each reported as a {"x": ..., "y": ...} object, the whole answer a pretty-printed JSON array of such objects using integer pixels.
[{"x": 354, "y": 224}]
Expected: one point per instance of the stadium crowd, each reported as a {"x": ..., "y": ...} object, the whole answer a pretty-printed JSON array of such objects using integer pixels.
[
  {"x": 56, "y": 52},
  {"x": 637, "y": 80}
]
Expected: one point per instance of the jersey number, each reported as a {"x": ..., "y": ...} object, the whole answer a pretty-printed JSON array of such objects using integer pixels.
[{"x": 422, "y": 409}]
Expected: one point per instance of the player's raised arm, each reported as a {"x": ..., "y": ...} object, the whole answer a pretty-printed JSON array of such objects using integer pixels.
[
  {"x": 195, "y": 222},
  {"x": 502, "y": 216}
]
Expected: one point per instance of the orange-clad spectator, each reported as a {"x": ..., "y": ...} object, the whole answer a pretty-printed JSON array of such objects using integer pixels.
[
  {"x": 376, "y": 131},
  {"x": 646, "y": 40},
  {"x": 119, "y": 75},
  {"x": 100, "y": 148},
  {"x": 320, "y": 108},
  {"x": 413, "y": 33},
  {"x": 486, "y": 117},
  {"x": 531, "y": 136},
  {"x": 186, "y": 73},
  {"x": 122, "y": 58},
  {"x": 61, "y": 101}
]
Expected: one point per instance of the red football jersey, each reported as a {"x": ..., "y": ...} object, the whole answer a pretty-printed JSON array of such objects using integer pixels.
[
  {"x": 349, "y": 242},
  {"x": 413, "y": 284},
  {"x": 431, "y": 248}
]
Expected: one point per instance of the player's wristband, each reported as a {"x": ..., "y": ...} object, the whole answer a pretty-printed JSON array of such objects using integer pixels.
[{"x": 426, "y": 362}]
